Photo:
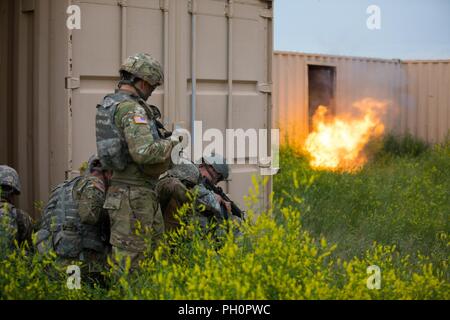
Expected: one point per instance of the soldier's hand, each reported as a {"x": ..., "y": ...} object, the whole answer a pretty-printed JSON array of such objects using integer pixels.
[
  {"x": 175, "y": 139},
  {"x": 226, "y": 204}
]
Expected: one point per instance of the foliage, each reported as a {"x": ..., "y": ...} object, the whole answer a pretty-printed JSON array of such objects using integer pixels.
[
  {"x": 323, "y": 232},
  {"x": 394, "y": 200}
]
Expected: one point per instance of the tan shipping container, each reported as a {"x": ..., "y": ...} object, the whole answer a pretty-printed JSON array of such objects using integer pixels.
[
  {"x": 221, "y": 49},
  {"x": 417, "y": 92},
  {"x": 426, "y": 99}
]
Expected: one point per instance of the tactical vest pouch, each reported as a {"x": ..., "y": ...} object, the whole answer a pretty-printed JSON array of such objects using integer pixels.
[
  {"x": 43, "y": 241},
  {"x": 67, "y": 244},
  {"x": 113, "y": 201},
  {"x": 111, "y": 155},
  {"x": 93, "y": 244},
  {"x": 111, "y": 145},
  {"x": 155, "y": 170}
]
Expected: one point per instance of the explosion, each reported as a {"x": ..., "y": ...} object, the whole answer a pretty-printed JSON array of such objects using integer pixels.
[{"x": 337, "y": 143}]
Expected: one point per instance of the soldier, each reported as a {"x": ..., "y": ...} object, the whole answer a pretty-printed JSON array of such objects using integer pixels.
[
  {"x": 18, "y": 224},
  {"x": 214, "y": 170},
  {"x": 74, "y": 223},
  {"x": 130, "y": 143},
  {"x": 202, "y": 180},
  {"x": 173, "y": 189}
]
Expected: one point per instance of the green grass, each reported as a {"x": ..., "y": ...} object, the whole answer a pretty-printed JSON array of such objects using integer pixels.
[
  {"x": 401, "y": 198},
  {"x": 317, "y": 242}
]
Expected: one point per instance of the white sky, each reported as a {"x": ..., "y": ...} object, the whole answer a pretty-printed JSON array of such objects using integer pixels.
[{"x": 410, "y": 29}]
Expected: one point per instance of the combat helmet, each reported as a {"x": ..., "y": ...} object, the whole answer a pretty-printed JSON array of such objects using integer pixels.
[
  {"x": 10, "y": 178},
  {"x": 94, "y": 163},
  {"x": 145, "y": 67},
  {"x": 219, "y": 164},
  {"x": 186, "y": 172}
]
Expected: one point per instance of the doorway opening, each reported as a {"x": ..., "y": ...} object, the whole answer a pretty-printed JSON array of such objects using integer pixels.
[{"x": 321, "y": 90}]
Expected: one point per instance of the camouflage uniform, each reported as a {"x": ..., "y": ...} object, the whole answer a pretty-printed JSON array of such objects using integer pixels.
[
  {"x": 17, "y": 224},
  {"x": 218, "y": 163},
  {"x": 172, "y": 191},
  {"x": 129, "y": 143},
  {"x": 75, "y": 225}
]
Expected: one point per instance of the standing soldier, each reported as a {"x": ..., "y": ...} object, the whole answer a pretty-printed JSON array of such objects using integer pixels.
[
  {"x": 130, "y": 144},
  {"x": 74, "y": 223},
  {"x": 18, "y": 224}
]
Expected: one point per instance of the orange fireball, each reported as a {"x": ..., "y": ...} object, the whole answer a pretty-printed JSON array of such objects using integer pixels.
[{"x": 338, "y": 143}]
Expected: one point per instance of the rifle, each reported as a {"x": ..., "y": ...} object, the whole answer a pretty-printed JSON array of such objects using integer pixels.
[
  {"x": 235, "y": 210},
  {"x": 162, "y": 131}
]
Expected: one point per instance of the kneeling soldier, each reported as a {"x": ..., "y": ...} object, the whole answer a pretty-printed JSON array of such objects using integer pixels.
[
  {"x": 74, "y": 223},
  {"x": 18, "y": 222},
  {"x": 173, "y": 189}
]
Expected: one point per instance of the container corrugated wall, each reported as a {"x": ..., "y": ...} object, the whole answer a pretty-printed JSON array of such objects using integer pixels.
[
  {"x": 417, "y": 92},
  {"x": 426, "y": 99},
  {"x": 62, "y": 74},
  {"x": 232, "y": 54}
]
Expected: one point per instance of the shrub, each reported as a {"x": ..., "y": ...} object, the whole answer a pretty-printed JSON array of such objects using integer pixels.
[
  {"x": 317, "y": 241},
  {"x": 404, "y": 145}
]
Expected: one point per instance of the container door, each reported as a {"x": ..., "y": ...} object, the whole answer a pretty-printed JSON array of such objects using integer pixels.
[
  {"x": 246, "y": 27},
  {"x": 110, "y": 32}
]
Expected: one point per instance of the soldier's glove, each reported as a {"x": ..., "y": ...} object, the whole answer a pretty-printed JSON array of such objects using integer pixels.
[
  {"x": 177, "y": 137},
  {"x": 175, "y": 140}
]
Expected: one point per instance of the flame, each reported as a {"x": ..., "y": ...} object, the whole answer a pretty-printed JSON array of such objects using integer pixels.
[{"x": 337, "y": 143}]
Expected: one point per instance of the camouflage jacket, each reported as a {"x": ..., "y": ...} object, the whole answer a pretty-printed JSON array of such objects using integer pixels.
[
  {"x": 151, "y": 156},
  {"x": 20, "y": 222},
  {"x": 169, "y": 188},
  {"x": 90, "y": 194}
]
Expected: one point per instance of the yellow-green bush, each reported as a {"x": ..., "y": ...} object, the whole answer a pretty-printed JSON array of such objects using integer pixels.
[
  {"x": 273, "y": 259},
  {"x": 278, "y": 256}
]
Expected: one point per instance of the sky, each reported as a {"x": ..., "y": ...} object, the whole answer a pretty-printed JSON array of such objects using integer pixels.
[{"x": 408, "y": 29}]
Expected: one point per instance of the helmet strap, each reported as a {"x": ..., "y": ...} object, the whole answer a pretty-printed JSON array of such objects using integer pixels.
[
  {"x": 141, "y": 94},
  {"x": 132, "y": 82}
]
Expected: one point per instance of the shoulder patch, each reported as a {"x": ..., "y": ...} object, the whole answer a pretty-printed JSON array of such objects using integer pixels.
[
  {"x": 108, "y": 101},
  {"x": 98, "y": 185},
  {"x": 140, "y": 120}
]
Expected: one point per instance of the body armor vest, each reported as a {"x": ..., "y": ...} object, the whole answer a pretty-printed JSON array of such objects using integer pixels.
[
  {"x": 8, "y": 217},
  {"x": 61, "y": 223},
  {"x": 111, "y": 144}
]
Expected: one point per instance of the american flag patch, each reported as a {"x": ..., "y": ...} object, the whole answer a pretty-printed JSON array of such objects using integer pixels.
[
  {"x": 99, "y": 186},
  {"x": 140, "y": 120}
]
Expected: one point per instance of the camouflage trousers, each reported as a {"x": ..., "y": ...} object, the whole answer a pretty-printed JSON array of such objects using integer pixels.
[
  {"x": 172, "y": 196},
  {"x": 135, "y": 220}
]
